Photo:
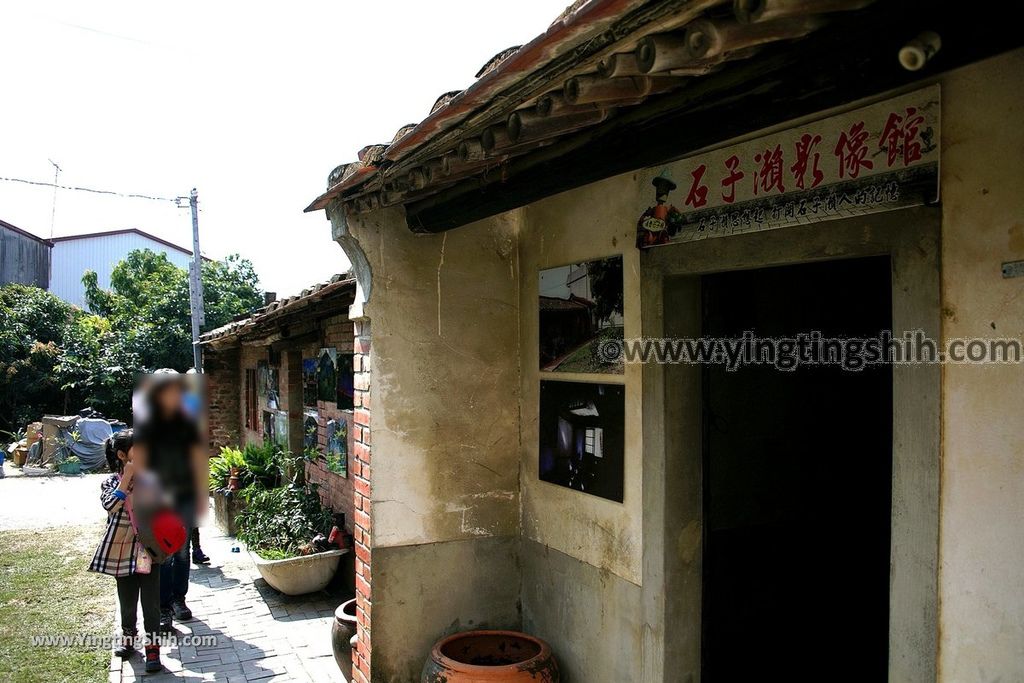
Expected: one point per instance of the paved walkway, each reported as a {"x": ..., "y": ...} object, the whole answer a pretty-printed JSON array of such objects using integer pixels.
[{"x": 259, "y": 634}]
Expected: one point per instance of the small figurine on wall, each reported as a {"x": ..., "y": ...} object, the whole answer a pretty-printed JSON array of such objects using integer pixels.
[{"x": 659, "y": 222}]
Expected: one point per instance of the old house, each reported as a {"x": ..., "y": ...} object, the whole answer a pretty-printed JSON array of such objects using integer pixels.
[
  {"x": 262, "y": 384},
  {"x": 101, "y": 252},
  {"x": 842, "y": 167}
]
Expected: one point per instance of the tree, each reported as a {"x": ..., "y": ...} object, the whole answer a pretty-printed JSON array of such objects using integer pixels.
[
  {"x": 606, "y": 286},
  {"x": 57, "y": 358},
  {"x": 33, "y": 324},
  {"x": 148, "y": 304}
]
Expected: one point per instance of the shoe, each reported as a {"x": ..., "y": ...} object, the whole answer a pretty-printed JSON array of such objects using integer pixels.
[
  {"x": 199, "y": 557},
  {"x": 153, "y": 659},
  {"x": 166, "y": 619},
  {"x": 181, "y": 610},
  {"x": 126, "y": 647}
]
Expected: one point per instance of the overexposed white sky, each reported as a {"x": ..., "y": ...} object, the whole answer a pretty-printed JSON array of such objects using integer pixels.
[{"x": 252, "y": 103}]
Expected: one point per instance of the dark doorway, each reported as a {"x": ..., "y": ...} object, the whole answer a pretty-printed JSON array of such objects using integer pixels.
[{"x": 797, "y": 482}]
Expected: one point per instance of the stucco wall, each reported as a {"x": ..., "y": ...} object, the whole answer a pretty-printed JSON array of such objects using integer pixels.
[
  {"x": 589, "y": 223},
  {"x": 445, "y": 376},
  {"x": 982, "y": 544}
]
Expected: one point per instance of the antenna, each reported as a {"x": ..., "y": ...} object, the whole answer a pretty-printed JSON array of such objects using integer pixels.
[{"x": 53, "y": 210}]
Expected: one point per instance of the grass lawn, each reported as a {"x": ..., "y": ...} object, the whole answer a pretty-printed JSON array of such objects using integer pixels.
[{"x": 46, "y": 590}]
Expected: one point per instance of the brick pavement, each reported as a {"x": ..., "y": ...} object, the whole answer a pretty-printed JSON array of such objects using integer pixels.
[{"x": 261, "y": 635}]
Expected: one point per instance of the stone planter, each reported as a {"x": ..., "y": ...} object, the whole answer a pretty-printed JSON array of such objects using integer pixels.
[
  {"x": 226, "y": 506},
  {"x": 490, "y": 657},
  {"x": 343, "y": 637},
  {"x": 299, "y": 575}
]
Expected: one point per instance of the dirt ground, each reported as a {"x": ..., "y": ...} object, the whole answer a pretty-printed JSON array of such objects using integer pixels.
[{"x": 48, "y": 502}]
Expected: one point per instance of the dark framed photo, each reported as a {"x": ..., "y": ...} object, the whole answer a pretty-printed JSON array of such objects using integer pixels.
[{"x": 582, "y": 436}]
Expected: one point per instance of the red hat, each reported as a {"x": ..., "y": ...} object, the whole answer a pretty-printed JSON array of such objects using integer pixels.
[{"x": 168, "y": 531}]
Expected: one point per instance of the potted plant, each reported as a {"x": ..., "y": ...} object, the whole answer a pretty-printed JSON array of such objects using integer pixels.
[
  {"x": 285, "y": 530},
  {"x": 70, "y": 465}
]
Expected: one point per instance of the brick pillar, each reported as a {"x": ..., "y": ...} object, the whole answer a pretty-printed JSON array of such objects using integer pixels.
[
  {"x": 359, "y": 470},
  {"x": 223, "y": 395}
]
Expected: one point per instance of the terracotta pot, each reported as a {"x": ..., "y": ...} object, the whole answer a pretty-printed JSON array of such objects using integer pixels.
[
  {"x": 343, "y": 637},
  {"x": 234, "y": 482},
  {"x": 490, "y": 656}
]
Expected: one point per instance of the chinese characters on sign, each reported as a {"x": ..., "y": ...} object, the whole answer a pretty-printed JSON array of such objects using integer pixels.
[{"x": 881, "y": 157}]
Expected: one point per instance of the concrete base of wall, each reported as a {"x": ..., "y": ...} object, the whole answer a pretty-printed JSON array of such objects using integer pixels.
[
  {"x": 590, "y": 618},
  {"x": 424, "y": 592}
]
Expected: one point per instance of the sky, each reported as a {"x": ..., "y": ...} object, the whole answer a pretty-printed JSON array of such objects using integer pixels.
[{"x": 251, "y": 103}]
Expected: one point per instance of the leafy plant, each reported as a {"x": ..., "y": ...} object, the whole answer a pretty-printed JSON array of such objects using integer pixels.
[
  {"x": 281, "y": 522},
  {"x": 264, "y": 463},
  {"x": 220, "y": 467}
]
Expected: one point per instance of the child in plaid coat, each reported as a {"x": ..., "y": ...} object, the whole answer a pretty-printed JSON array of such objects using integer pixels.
[{"x": 119, "y": 552}]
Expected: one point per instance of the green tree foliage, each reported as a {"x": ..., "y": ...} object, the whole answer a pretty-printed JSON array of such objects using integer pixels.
[
  {"x": 606, "y": 286},
  {"x": 32, "y": 327},
  {"x": 56, "y": 358},
  {"x": 148, "y": 304}
]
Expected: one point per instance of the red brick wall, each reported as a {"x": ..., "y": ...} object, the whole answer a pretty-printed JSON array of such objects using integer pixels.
[
  {"x": 223, "y": 393},
  {"x": 360, "y": 475},
  {"x": 336, "y": 490},
  {"x": 336, "y": 331}
]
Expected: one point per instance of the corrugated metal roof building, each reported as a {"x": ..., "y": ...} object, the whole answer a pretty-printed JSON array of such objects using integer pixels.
[{"x": 101, "y": 251}]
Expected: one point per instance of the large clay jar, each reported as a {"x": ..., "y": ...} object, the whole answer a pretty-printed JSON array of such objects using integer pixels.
[
  {"x": 343, "y": 635},
  {"x": 490, "y": 657}
]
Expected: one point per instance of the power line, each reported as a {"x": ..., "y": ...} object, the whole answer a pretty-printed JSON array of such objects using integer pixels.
[{"x": 126, "y": 195}]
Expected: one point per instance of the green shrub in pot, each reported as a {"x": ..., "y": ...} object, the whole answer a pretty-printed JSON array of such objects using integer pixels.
[{"x": 282, "y": 522}]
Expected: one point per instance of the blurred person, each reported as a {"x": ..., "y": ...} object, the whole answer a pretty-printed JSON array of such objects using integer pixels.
[
  {"x": 169, "y": 442},
  {"x": 121, "y": 555}
]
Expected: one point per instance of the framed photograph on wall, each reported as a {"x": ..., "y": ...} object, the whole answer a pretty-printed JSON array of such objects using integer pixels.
[
  {"x": 309, "y": 389},
  {"x": 281, "y": 428},
  {"x": 311, "y": 431},
  {"x": 580, "y": 317},
  {"x": 582, "y": 436},
  {"x": 346, "y": 382},
  {"x": 337, "y": 446},
  {"x": 327, "y": 375}
]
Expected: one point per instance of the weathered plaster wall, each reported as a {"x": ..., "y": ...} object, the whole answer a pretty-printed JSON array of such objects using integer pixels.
[
  {"x": 590, "y": 616},
  {"x": 445, "y": 374},
  {"x": 982, "y": 544},
  {"x": 423, "y": 592},
  {"x": 588, "y": 223},
  {"x": 445, "y": 377}
]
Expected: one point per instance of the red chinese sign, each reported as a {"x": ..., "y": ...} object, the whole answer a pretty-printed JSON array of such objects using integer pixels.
[{"x": 881, "y": 157}]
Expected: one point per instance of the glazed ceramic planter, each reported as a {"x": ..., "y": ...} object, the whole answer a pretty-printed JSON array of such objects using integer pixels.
[
  {"x": 299, "y": 575},
  {"x": 490, "y": 657},
  {"x": 343, "y": 637}
]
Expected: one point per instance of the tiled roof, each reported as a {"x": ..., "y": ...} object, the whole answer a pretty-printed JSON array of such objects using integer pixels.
[
  {"x": 598, "y": 58},
  {"x": 337, "y": 285}
]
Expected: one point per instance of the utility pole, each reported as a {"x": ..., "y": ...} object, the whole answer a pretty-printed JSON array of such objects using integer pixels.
[
  {"x": 53, "y": 208},
  {"x": 195, "y": 283}
]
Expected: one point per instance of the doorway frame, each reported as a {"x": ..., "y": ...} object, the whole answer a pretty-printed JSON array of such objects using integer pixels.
[{"x": 672, "y": 396}]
